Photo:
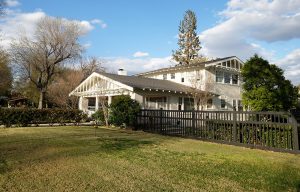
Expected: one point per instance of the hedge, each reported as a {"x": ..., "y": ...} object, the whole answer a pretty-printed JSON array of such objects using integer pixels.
[{"x": 26, "y": 116}]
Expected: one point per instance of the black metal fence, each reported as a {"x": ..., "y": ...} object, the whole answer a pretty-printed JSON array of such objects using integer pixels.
[{"x": 277, "y": 130}]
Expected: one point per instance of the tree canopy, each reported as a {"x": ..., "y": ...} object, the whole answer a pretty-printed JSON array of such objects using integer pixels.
[
  {"x": 188, "y": 40},
  {"x": 265, "y": 87},
  {"x": 55, "y": 42}
]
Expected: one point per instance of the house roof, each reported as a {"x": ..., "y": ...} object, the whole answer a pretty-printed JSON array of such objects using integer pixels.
[
  {"x": 138, "y": 82},
  {"x": 177, "y": 67}
]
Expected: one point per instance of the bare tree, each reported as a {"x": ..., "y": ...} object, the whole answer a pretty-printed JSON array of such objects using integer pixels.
[
  {"x": 91, "y": 64},
  {"x": 62, "y": 85},
  {"x": 6, "y": 78},
  {"x": 56, "y": 42},
  {"x": 104, "y": 108},
  {"x": 201, "y": 89}
]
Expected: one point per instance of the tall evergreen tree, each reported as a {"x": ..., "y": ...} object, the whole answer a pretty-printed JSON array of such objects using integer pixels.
[
  {"x": 265, "y": 87},
  {"x": 188, "y": 41}
]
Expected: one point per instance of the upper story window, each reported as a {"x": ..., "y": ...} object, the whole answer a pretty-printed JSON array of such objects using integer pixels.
[
  {"x": 227, "y": 77},
  {"x": 164, "y": 76},
  {"x": 233, "y": 64},
  {"x": 182, "y": 79},
  {"x": 235, "y": 79},
  {"x": 219, "y": 76},
  {"x": 172, "y": 75}
]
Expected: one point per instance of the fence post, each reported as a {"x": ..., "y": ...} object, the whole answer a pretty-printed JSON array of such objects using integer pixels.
[
  {"x": 234, "y": 131},
  {"x": 295, "y": 133},
  {"x": 160, "y": 119},
  {"x": 193, "y": 123}
]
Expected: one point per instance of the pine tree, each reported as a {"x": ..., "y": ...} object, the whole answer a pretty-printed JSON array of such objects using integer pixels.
[{"x": 188, "y": 41}]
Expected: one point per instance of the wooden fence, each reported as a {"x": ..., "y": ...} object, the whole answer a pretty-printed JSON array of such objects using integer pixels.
[{"x": 270, "y": 130}]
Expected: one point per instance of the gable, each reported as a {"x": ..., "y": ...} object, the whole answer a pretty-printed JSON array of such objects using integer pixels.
[{"x": 97, "y": 84}]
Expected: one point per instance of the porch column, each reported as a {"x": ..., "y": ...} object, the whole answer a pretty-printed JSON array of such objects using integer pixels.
[
  {"x": 97, "y": 103},
  {"x": 80, "y": 103},
  {"x": 109, "y": 100}
]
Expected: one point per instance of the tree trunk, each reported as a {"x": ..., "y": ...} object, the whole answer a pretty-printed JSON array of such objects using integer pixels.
[{"x": 41, "y": 100}]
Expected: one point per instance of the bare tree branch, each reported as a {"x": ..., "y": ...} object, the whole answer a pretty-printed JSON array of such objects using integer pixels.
[{"x": 55, "y": 43}]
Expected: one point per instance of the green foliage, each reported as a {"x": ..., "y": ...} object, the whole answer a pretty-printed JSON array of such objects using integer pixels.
[
  {"x": 123, "y": 110},
  {"x": 265, "y": 87},
  {"x": 98, "y": 116},
  {"x": 25, "y": 116},
  {"x": 188, "y": 40}
]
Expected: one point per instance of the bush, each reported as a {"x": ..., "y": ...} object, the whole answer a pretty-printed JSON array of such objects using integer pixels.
[
  {"x": 98, "y": 116},
  {"x": 25, "y": 116},
  {"x": 123, "y": 110}
]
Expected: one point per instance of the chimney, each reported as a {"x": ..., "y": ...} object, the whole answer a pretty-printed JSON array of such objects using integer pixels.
[{"x": 122, "y": 72}]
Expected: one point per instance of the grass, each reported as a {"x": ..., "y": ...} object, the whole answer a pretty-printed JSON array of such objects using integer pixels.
[{"x": 74, "y": 159}]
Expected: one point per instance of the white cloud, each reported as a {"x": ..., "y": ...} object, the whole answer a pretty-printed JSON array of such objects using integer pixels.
[
  {"x": 16, "y": 23},
  {"x": 12, "y": 3},
  {"x": 140, "y": 54},
  {"x": 86, "y": 26},
  {"x": 291, "y": 65},
  {"x": 99, "y": 22},
  {"x": 137, "y": 65},
  {"x": 246, "y": 21}
]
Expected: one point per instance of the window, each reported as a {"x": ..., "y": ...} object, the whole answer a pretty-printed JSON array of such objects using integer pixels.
[
  {"x": 219, "y": 76},
  {"x": 224, "y": 64},
  {"x": 188, "y": 103},
  {"x": 223, "y": 104},
  {"x": 209, "y": 104},
  {"x": 91, "y": 103},
  {"x": 240, "y": 106},
  {"x": 172, "y": 75},
  {"x": 232, "y": 63},
  {"x": 156, "y": 102},
  {"x": 180, "y": 103},
  {"x": 228, "y": 63},
  {"x": 234, "y": 105},
  {"x": 226, "y": 78},
  {"x": 182, "y": 79},
  {"x": 235, "y": 79},
  {"x": 164, "y": 76}
]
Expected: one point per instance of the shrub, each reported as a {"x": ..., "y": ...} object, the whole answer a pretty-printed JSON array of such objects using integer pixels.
[
  {"x": 123, "y": 110},
  {"x": 98, "y": 116},
  {"x": 25, "y": 116}
]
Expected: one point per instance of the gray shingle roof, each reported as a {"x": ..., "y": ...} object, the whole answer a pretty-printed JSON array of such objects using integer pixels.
[{"x": 138, "y": 82}]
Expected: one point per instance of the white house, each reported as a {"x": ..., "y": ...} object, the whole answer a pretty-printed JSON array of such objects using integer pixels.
[{"x": 169, "y": 88}]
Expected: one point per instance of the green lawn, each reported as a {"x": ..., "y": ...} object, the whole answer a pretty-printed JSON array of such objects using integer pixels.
[{"x": 74, "y": 159}]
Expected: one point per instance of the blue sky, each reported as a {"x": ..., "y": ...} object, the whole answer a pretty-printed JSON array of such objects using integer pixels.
[
  {"x": 133, "y": 25},
  {"x": 140, "y": 35}
]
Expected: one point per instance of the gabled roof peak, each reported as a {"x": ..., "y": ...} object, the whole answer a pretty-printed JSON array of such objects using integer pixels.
[{"x": 181, "y": 66}]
